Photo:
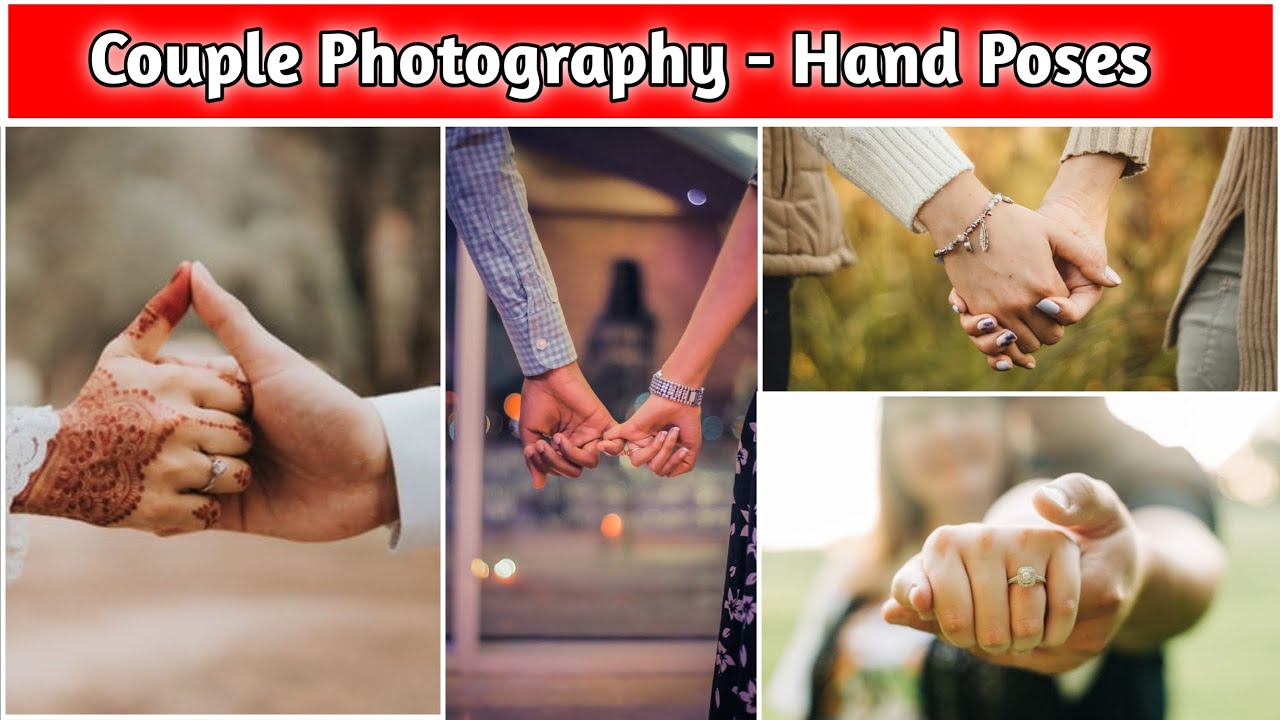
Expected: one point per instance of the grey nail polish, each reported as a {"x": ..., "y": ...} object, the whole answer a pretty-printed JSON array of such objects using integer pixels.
[
  {"x": 1006, "y": 339},
  {"x": 986, "y": 325},
  {"x": 1048, "y": 306},
  {"x": 1003, "y": 365},
  {"x": 955, "y": 309},
  {"x": 1112, "y": 275}
]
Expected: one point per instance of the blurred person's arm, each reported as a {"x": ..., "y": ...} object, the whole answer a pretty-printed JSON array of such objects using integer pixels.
[
  {"x": 728, "y": 295},
  {"x": 414, "y": 437}
]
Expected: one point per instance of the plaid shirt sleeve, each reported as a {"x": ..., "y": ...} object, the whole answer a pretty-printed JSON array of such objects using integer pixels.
[{"x": 485, "y": 199}]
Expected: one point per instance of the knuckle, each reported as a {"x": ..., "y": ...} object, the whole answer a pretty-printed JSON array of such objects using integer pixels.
[
  {"x": 994, "y": 641},
  {"x": 1066, "y": 608},
  {"x": 1027, "y": 628},
  {"x": 942, "y": 539},
  {"x": 956, "y": 627}
]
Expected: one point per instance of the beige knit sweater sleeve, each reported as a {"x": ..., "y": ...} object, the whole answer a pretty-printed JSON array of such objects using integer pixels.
[
  {"x": 899, "y": 167},
  {"x": 1133, "y": 143}
]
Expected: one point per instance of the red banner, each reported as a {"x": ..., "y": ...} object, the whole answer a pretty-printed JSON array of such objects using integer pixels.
[{"x": 640, "y": 61}]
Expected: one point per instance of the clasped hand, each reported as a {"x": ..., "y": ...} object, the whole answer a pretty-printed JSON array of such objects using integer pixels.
[{"x": 1044, "y": 269}]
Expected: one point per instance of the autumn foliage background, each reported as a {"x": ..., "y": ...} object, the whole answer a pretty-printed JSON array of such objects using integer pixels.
[{"x": 885, "y": 324}]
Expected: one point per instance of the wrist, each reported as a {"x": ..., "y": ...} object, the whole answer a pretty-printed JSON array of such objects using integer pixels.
[
  {"x": 1084, "y": 183},
  {"x": 953, "y": 207},
  {"x": 686, "y": 371}
]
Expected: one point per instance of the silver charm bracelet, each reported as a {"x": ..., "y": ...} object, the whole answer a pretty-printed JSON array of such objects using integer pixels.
[
  {"x": 984, "y": 240},
  {"x": 674, "y": 391}
]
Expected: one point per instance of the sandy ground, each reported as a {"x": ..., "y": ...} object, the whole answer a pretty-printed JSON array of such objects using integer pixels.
[{"x": 116, "y": 621}]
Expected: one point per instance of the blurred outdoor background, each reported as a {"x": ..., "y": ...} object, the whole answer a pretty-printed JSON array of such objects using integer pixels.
[
  {"x": 884, "y": 323},
  {"x": 1222, "y": 667},
  {"x": 331, "y": 236},
  {"x": 631, "y": 220}
]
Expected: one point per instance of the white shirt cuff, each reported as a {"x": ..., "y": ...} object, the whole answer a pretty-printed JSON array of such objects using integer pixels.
[{"x": 412, "y": 423}]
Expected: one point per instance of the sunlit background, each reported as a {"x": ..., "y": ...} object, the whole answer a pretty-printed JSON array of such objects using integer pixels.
[
  {"x": 821, "y": 488},
  {"x": 331, "y": 236},
  {"x": 631, "y": 220},
  {"x": 884, "y": 322}
]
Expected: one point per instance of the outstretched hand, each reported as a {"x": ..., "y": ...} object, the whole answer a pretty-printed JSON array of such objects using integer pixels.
[{"x": 1084, "y": 543}]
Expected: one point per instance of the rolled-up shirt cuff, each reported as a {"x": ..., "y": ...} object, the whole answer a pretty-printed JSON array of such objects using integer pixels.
[{"x": 413, "y": 426}]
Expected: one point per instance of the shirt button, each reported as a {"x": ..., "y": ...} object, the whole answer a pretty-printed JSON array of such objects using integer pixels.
[{"x": 541, "y": 344}]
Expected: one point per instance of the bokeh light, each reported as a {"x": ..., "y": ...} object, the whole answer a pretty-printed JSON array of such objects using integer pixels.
[
  {"x": 505, "y": 569},
  {"x": 611, "y": 526},
  {"x": 479, "y": 569},
  {"x": 511, "y": 406},
  {"x": 712, "y": 428}
]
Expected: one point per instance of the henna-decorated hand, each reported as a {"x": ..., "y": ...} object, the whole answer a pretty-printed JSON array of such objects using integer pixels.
[
  {"x": 138, "y": 443},
  {"x": 321, "y": 465}
]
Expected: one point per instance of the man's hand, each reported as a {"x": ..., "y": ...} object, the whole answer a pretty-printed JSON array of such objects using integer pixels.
[
  {"x": 1110, "y": 579},
  {"x": 321, "y": 464},
  {"x": 560, "y": 405}
]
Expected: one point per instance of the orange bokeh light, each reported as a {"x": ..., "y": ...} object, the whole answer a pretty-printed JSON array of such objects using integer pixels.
[
  {"x": 511, "y": 406},
  {"x": 611, "y": 526}
]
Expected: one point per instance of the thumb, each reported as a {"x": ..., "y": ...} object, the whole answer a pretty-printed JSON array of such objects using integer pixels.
[
  {"x": 1085, "y": 506},
  {"x": 148, "y": 332},
  {"x": 235, "y": 327},
  {"x": 1084, "y": 250}
]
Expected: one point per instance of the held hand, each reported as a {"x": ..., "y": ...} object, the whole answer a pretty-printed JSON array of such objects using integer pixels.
[
  {"x": 1105, "y": 581},
  {"x": 664, "y": 434},
  {"x": 322, "y": 468},
  {"x": 988, "y": 335},
  {"x": 1017, "y": 272},
  {"x": 142, "y": 441},
  {"x": 561, "y": 406}
]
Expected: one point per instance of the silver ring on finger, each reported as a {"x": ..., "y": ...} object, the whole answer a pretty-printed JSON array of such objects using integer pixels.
[
  {"x": 1026, "y": 577},
  {"x": 217, "y": 466}
]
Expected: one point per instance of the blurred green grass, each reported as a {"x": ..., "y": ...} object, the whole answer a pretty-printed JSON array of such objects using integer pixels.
[
  {"x": 1223, "y": 667},
  {"x": 885, "y": 324}
]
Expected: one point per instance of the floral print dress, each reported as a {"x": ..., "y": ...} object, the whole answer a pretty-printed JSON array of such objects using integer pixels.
[{"x": 733, "y": 687}]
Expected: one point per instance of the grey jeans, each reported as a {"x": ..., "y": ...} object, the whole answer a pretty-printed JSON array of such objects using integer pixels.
[{"x": 1208, "y": 351}]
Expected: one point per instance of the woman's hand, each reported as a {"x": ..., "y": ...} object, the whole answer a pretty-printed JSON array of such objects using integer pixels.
[
  {"x": 144, "y": 442},
  {"x": 663, "y": 434},
  {"x": 960, "y": 578},
  {"x": 1075, "y": 532},
  {"x": 1012, "y": 278}
]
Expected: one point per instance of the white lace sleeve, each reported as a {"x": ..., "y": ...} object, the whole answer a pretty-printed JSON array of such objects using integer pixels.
[{"x": 26, "y": 437}]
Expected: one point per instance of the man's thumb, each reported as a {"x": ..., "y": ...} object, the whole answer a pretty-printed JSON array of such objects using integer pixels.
[
  {"x": 148, "y": 332},
  {"x": 235, "y": 327},
  {"x": 1086, "y": 251},
  {"x": 1081, "y": 504}
]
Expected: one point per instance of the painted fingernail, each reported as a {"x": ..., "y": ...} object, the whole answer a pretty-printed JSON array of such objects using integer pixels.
[
  {"x": 1048, "y": 306},
  {"x": 1112, "y": 275},
  {"x": 1030, "y": 364},
  {"x": 955, "y": 309},
  {"x": 1003, "y": 365},
  {"x": 675, "y": 432},
  {"x": 662, "y": 435},
  {"x": 1006, "y": 339},
  {"x": 986, "y": 325}
]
